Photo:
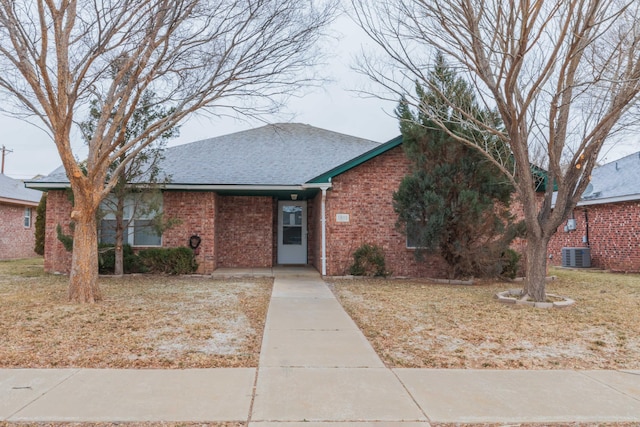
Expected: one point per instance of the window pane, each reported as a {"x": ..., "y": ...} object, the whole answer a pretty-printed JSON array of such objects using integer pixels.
[
  {"x": 414, "y": 231},
  {"x": 292, "y": 215},
  {"x": 144, "y": 234},
  {"x": 108, "y": 231},
  {"x": 27, "y": 217},
  {"x": 292, "y": 235}
]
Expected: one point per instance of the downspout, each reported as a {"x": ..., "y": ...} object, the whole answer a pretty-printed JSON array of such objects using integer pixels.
[
  {"x": 323, "y": 220},
  {"x": 586, "y": 223}
]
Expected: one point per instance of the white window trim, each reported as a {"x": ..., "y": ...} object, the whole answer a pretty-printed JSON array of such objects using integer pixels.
[
  {"x": 27, "y": 215},
  {"x": 129, "y": 231}
]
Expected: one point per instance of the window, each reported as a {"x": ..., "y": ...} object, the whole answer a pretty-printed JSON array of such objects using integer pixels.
[
  {"x": 413, "y": 236},
  {"x": 27, "y": 217},
  {"x": 145, "y": 234},
  {"x": 139, "y": 229}
]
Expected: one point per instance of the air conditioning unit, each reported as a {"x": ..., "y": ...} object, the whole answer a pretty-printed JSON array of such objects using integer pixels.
[{"x": 576, "y": 257}]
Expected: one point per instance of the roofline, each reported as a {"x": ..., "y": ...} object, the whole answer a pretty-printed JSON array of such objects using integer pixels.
[
  {"x": 202, "y": 187},
  {"x": 20, "y": 202},
  {"x": 356, "y": 161},
  {"x": 233, "y": 187},
  {"x": 617, "y": 199},
  {"x": 44, "y": 186}
]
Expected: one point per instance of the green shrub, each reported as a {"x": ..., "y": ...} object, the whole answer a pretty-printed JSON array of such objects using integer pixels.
[
  {"x": 368, "y": 261},
  {"x": 168, "y": 260},
  {"x": 107, "y": 259},
  {"x": 510, "y": 263}
]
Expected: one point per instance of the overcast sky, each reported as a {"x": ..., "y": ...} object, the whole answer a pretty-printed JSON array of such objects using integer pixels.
[{"x": 334, "y": 107}]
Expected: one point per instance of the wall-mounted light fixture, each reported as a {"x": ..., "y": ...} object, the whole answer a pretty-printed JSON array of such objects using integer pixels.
[{"x": 294, "y": 197}]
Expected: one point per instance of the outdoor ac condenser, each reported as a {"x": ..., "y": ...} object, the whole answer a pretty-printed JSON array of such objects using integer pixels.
[{"x": 576, "y": 257}]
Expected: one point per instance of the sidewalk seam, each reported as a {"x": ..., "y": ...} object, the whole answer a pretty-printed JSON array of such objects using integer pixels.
[
  {"x": 410, "y": 395},
  {"x": 586, "y": 374},
  {"x": 40, "y": 396}
]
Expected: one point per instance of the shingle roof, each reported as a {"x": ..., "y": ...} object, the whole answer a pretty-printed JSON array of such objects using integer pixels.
[
  {"x": 13, "y": 189},
  {"x": 616, "y": 180},
  {"x": 277, "y": 154}
]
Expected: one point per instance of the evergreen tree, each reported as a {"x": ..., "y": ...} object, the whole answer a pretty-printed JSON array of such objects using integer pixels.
[
  {"x": 41, "y": 223},
  {"x": 454, "y": 202}
]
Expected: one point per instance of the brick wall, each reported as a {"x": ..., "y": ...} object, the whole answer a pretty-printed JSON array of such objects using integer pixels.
[
  {"x": 16, "y": 240},
  {"x": 197, "y": 212},
  {"x": 56, "y": 257},
  {"x": 365, "y": 193},
  {"x": 245, "y": 231},
  {"x": 614, "y": 236}
]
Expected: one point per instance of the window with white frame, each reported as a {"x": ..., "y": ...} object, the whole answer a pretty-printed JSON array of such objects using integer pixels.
[
  {"x": 139, "y": 228},
  {"x": 27, "y": 217}
]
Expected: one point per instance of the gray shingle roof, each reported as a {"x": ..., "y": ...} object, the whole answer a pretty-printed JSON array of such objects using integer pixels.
[
  {"x": 277, "y": 154},
  {"x": 14, "y": 189},
  {"x": 618, "y": 179}
]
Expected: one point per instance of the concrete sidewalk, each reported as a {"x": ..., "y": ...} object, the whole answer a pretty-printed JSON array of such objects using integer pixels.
[{"x": 316, "y": 368}]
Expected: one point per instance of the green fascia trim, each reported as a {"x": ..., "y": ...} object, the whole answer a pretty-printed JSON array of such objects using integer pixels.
[
  {"x": 543, "y": 176},
  {"x": 382, "y": 148}
]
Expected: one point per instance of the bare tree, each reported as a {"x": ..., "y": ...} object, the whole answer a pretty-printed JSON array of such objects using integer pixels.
[
  {"x": 57, "y": 55},
  {"x": 564, "y": 77}
]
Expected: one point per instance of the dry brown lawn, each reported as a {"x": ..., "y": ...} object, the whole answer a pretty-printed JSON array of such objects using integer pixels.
[
  {"x": 144, "y": 321},
  {"x": 414, "y": 323}
]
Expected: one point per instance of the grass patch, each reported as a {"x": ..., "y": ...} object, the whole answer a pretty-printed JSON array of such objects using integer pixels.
[
  {"x": 144, "y": 321},
  {"x": 413, "y": 323}
]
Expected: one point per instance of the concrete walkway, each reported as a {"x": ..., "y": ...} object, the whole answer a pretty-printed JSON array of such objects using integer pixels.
[{"x": 317, "y": 368}]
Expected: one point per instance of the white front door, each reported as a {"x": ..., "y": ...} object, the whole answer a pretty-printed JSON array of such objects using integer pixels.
[{"x": 292, "y": 232}]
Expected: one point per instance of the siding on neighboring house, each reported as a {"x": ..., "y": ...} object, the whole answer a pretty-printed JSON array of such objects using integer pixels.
[
  {"x": 365, "y": 193},
  {"x": 16, "y": 240},
  {"x": 614, "y": 236}
]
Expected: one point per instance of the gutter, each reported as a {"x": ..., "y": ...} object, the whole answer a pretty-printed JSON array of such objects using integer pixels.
[
  {"x": 627, "y": 198},
  {"x": 18, "y": 202},
  {"x": 210, "y": 187}
]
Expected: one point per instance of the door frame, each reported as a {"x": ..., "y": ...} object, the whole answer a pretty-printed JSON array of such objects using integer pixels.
[{"x": 286, "y": 254}]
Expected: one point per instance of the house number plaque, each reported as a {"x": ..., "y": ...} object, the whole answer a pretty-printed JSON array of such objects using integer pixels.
[{"x": 342, "y": 217}]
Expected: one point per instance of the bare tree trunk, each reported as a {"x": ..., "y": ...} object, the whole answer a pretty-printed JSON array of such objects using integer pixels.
[
  {"x": 535, "y": 284},
  {"x": 118, "y": 269},
  {"x": 83, "y": 280}
]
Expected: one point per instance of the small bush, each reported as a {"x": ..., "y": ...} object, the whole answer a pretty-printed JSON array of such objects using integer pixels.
[
  {"x": 107, "y": 259},
  {"x": 510, "y": 263},
  {"x": 168, "y": 260},
  {"x": 368, "y": 261}
]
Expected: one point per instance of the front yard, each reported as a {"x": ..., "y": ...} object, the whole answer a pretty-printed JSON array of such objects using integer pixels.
[
  {"x": 197, "y": 322},
  {"x": 144, "y": 322},
  {"x": 413, "y": 323}
]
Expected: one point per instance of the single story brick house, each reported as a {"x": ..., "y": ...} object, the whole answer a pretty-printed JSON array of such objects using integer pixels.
[
  {"x": 281, "y": 194},
  {"x": 17, "y": 219},
  {"x": 606, "y": 220}
]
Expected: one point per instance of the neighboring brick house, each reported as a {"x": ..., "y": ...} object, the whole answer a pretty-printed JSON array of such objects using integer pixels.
[
  {"x": 17, "y": 219},
  {"x": 607, "y": 219},
  {"x": 278, "y": 194}
]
